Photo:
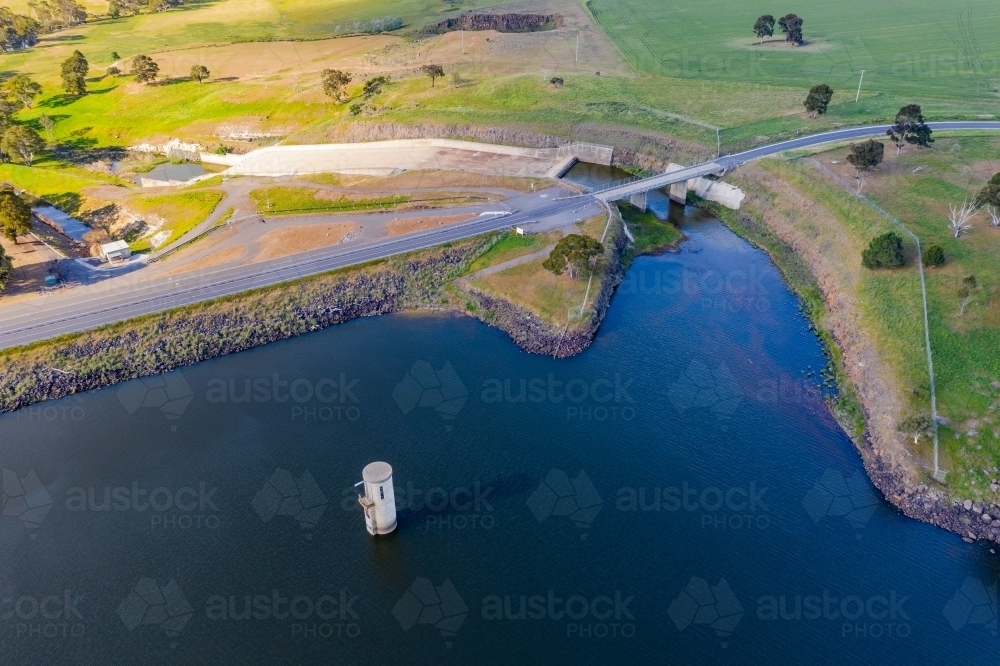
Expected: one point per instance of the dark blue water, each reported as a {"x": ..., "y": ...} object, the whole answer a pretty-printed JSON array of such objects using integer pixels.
[{"x": 676, "y": 494}]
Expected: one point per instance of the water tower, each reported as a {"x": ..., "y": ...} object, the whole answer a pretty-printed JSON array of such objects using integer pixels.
[{"x": 378, "y": 501}]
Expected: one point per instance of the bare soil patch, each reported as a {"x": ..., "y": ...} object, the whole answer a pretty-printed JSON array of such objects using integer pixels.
[
  {"x": 30, "y": 258},
  {"x": 292, "y": 240},
  {"x": 413, "y": 224}
]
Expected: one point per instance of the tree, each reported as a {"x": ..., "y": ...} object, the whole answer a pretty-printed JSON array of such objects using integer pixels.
[
  {"x": 17, "y": 31},
  {"x": 373, "y": 86},
  {"x": 115, "y": 57},
  {"x": 959, "y": 216},
  {"x": 47, "y": 124},
  {"x": 15, "y": 215},
  {"x": 22, "y": 141},
  {"x": 144, "y": 69},
  {"x": 990, "y": 194},
  {"x": 791, "y": 25},
  {"x": 6, "y": 268},
  {"x": 934, "y": 256},
  {"x": 334, "y": 82},
  {"x": 917, "y": 426},
  {"x": 994, "y": 216},
  {"x": 114, "y": 72},
  {"x": 199, "y": 73},
  {"x": 58, "y": 14},
  {"x": 573, "y": 253},
  {"x": 6, "y": 115},
  {"x": 74, "y": 74},
  {"x": 885, "y": 251},
  {"x": 557, "y": 81},
  {"x": 866, "y": 155},
  {"x": 23, "y": 89},
  {"x": 764, "y": 27},
  {"x": 818, "y": 99},
  {"x": 433, "y": 71},
  {"x": 909, "y": 127}
]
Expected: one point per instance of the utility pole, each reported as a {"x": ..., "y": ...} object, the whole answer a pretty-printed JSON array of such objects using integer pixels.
[
  {"x": 463, "y": 42},
  {"x": 858, "y": 96},
  {"x": 577, "y": 47},
  {"x": 718, "y": 144}
]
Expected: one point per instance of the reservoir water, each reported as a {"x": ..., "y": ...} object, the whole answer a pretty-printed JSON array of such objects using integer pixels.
[{"x": 678, "y": 493}]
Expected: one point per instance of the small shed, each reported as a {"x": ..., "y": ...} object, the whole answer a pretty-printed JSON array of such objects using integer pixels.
[{"x": 116, "y": 251}]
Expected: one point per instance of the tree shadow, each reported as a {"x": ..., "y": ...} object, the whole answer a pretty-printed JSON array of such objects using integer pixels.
[
  {"x": 68, "y": 202},
  {"x": 57, "y": 101},
  {"x": 64, "y": 38}
]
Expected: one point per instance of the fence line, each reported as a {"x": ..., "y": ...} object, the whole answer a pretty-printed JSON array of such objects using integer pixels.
[{"x": 923, "y": 292}]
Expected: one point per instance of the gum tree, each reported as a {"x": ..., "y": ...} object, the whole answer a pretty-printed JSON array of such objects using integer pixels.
[{"x": 764, "y": 27}]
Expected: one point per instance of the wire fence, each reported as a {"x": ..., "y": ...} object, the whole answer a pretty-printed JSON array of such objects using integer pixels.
[{"x": 923, "y": 293}]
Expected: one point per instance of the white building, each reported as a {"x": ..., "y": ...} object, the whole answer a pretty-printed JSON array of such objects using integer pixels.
[
  {"x": 116, "y": 251},
  {"x": 379, "y": 501}
]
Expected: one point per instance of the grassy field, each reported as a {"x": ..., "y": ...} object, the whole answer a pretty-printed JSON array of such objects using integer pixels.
[
  {"x": 938, "y": 55},
  {"x": 181, "y": 212},
  {"x": 278, "y": 200},
  {"x": 928, "y": 48},
  {"x": 510, "y": 246},
  {"x": 534, "y": 288}
]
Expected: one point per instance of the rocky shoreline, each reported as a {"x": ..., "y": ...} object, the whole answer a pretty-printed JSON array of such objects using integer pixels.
[
  {"x": 170, "y": 340},
  {"x": 533, "y": 335},
  {"x": 970, "y": 520}
]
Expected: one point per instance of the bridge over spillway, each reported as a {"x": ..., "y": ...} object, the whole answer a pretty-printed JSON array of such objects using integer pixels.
[{"x": 636, "y": 190}]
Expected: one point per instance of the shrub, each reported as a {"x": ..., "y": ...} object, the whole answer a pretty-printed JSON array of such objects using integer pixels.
[
  {"x": 885, "y": 251},
  {"x": 934, "y": 256}
]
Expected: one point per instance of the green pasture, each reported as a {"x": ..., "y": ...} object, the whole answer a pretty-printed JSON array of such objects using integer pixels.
[{"x": 917, "y": 49}]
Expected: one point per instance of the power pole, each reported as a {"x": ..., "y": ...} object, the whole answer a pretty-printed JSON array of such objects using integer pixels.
[
  {"x": 718, "y": 144},
  {"x": 463, "y": 42},
  {"x": 577, "y": 47},
  {"x": 858, "y": 96}
]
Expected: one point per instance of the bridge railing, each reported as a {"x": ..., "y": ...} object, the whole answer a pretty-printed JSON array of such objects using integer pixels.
[{"x": 615, "y": 184}]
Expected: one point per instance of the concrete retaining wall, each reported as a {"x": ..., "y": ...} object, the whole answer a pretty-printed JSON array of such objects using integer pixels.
[{"x": 711, "y": 190}]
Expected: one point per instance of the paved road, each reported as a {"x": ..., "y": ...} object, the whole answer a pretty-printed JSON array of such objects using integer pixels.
[
  {"x": 134, "y": 295},
  {"x": 731, "y": 161}
]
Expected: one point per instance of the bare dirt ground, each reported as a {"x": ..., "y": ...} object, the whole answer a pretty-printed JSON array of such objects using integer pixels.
[
  {"x": 30, "y": 257},
  {"x": 484, "y": 52},
  {"x": 818, "y": 238},
  {"x": 292, "y": 240},
  {"x": 412, "y": 224}
]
